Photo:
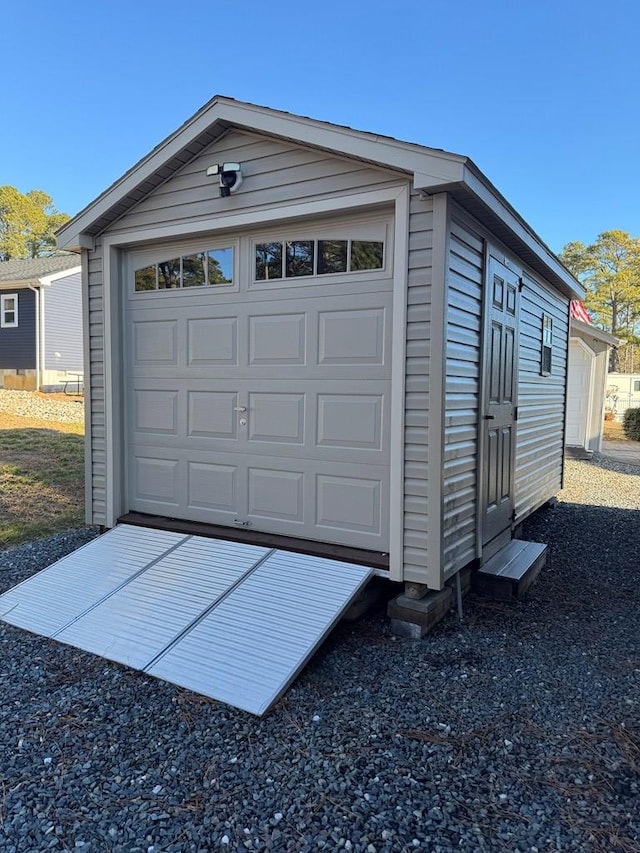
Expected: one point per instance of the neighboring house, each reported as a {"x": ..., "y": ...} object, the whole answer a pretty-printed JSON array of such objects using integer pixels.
[
  {"x": 589, "y": 349},
  {"x": 358, "y": 345},
  {"x": 623, "y": 392},
  {"x": 40, "y": 323}
]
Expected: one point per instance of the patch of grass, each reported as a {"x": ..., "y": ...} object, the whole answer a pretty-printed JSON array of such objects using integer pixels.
[{"x": 41, "y": 481}]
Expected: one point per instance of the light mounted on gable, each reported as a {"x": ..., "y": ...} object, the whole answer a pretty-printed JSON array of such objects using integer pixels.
[{"x": 230, "y": 177}]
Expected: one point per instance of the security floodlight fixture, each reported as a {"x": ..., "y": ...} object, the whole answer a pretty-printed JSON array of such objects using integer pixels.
[{"x": 229, "y": 175}]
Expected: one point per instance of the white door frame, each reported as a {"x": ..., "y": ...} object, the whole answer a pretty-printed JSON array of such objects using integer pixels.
[
  {"x": 592, "y": 362},
  {"x": 113, "y": 343}
]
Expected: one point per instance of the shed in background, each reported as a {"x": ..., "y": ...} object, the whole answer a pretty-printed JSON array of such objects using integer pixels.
[{"x": 589, "y": 349}]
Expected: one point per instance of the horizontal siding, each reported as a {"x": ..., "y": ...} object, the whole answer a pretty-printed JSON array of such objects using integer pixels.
[
  {"x": 274, "y": 172},
  {"x": 96, "y": 383},
  {"x": 541, "y": 399},
  {"x": 63, "y": 349},
  {"x": 464, "y": 324},
  {"x": 417, "y": 389},
  {"x": 18, "y": 343}
]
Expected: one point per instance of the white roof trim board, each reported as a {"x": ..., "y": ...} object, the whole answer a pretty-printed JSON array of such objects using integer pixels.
[
  {"x": 431, "y": 169},
  {"x": 588, "y": 330},
  {"x": 234, "y": 622}
]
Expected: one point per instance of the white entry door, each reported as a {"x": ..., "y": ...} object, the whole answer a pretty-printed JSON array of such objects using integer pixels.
[{"x": 262, "y": 404}]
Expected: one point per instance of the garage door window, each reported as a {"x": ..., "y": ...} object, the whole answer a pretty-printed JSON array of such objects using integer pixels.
[
  {"x": 316, "y": 257},
  {"x": 212, "y": 267}
]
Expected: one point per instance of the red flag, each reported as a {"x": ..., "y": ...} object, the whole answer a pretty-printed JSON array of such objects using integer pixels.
[{"x": 579, "y": 312}]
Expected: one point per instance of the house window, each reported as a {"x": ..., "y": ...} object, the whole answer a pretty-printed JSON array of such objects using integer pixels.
[
  {"x": 8, "y": 310},
  {"x": 212, "y": 267},
  {"x": 316, "y": 257},
  {"x": 636, "y": 386},
  {"x": 547, "y": 345}
]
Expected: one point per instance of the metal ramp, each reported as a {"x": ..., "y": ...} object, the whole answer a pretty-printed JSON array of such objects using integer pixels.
[{"x": 234, "y": 622}]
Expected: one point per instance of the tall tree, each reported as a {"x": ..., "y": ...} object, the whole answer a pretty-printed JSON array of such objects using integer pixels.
[
  {"x": 609, "y": 268},
  {"x": 28, "y": 222}
]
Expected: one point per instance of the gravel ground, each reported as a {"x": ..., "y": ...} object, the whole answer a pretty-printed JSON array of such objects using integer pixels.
[
  {"x": 517, "y": 730},
  {"x": 40, "y": 407}
]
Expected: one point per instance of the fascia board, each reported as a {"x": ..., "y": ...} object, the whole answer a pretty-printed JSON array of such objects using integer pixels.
[
  {"x": 49, "y": 279},
  {"x": 21, "y": 284},
  {"x": 588, "y": 330},
  {"x": 500, "y": 207}
]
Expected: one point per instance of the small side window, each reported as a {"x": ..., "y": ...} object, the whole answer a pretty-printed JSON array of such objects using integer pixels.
[
  {"x": 9, "y": 310},
  {"x": 636, "y": 386},
  {"x": 547, "y": 345}
]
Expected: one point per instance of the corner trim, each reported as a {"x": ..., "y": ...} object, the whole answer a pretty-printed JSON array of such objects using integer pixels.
[{"x": 437, "y": 382}]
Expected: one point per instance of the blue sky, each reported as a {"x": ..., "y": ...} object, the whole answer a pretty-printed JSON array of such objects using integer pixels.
[{"x": 542, "y": 94}]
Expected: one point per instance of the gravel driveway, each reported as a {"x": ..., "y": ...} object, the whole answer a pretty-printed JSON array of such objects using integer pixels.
[{"x": 517, "y": 730}]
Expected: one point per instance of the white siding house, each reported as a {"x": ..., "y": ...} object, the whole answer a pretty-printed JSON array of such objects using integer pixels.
[{"x": 361, "y": 348}]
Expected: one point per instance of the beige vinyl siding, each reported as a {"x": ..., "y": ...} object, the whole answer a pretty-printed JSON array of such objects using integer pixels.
[
  {"x": 95, "y": 375},
  {"x": 541, "y": 399},
  {"x": 417, "y": 389},
  {"x": 463, "y": 358},
  {"x": 274, "y": 172}
]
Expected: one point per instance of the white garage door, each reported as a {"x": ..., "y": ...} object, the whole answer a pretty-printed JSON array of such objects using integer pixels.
[
  {"x": 578, "y": 394},
  {"x": 259, "y": 380}
]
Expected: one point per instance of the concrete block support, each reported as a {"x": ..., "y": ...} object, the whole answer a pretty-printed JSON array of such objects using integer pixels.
[{"x": 414, "y": 618}]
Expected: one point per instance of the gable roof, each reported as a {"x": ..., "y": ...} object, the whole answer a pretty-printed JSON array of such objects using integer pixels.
[
  {"x": 432, "y": 170},
  {"x": 35, "y": 270}
]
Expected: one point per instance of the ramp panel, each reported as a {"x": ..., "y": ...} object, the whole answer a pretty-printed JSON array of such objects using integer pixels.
[
  {"x": 49, "y": 600},
  {"x": 137, "y": 622},
  {"x": 249, "y": 648}
]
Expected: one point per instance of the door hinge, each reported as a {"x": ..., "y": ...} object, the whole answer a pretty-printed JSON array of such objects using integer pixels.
[
  {"x": 520, "y": 284},
  {"x": 515, "y": 413}
]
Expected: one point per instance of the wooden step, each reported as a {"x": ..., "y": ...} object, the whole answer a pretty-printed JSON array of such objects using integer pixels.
[{"x": 510, "y": 572}]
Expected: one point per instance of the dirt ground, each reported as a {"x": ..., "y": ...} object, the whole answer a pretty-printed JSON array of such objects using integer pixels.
[{"x": 613, "y": 431}]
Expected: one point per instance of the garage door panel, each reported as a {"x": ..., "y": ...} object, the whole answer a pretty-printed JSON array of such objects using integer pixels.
[
  {"x": 212, "y": 414},
  {"x": 347, "y": 420},
  {"x": 356, "y": 336},
  {"x": 212, "y": 487},
  {"x": 212, "y": 341},
  {"x": 349, "y": 503},
  {"x": 277, "y": 339},
  {"x": 276, "y": 494},
  {"x": 155, "y": 342},
  {"x": 276, "y": 417},
  {"x": 156, "y": 411},
  {"x": 156, "y": 479}
]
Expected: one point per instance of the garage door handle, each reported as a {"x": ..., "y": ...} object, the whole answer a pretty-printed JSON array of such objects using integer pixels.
[{"x": 239, "y": 408}]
